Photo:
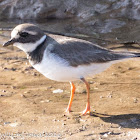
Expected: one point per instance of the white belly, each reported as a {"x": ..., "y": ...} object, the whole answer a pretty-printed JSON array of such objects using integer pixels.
[{"x": 57, "y": 69}]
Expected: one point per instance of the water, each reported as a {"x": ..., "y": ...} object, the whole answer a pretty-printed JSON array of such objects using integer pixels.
[{"x": 103, "y": 35}]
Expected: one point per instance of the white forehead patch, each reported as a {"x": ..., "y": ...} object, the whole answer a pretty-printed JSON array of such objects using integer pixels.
[{"x": 14, "y": 33}]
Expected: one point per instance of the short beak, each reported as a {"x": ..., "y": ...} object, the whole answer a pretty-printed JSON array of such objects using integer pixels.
[{"x": 10, "y": 42}]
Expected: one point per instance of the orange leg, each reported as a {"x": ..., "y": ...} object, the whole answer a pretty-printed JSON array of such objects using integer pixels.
[
  {"x": 71, "y": 97},
  {"x": 87, "y": 110}
]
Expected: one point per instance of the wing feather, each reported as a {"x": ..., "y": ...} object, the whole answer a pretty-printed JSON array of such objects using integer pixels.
[{"x": 80, "y": 52}]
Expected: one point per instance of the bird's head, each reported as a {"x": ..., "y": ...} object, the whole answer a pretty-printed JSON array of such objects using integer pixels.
[{"x": 26, "y": 37}]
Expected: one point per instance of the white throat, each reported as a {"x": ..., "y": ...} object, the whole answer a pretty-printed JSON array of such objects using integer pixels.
[{"x": 29, "y": 47}]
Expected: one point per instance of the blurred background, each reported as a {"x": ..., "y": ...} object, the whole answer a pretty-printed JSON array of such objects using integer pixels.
[{"x": 103, "y": 22}]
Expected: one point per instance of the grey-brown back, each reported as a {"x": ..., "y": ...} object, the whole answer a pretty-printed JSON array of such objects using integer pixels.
[{"x": 80, "y": 52}]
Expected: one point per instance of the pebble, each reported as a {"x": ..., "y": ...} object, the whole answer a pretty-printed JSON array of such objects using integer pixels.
[
  {"x": 119, "y": 127},
  {"x": 135, "y": 139},
  {"x": 1, "y": 120},
  {"x": 84, "y": 91},
  {"x": 13, "y": 69},
  {"x": 130, "y": 68},
  {"x": 54, "y": 120},
  {"x": 135, "y": 100},
  {"x": 26, "y": 92},
  {"x": 34, "y": 74},
  {"x": 22, "y": 95},
  {"x": 109, "y": 95},
  {"x": 58, "y": 91},
  {"x": 80, "y": 90},
  {"x": 100, "y": 83},
  {"x": 1, "y": 95},
  {"x": 105, "y": 135},
  {"x": 6, "y": 123},
  {"x": 45, "y": 101},
  {"x": 8, "y": 69},
  {"x": 49, "y": 87},
  {"x": 91, "y": 82},
  {"x": 70, "y": 133},
  {"x": 63, "y": 123},
  {"x": 83, "y": 128},
  {"x": 83, "y": 120},
  {"x": 14, "y": 124},
  {"x": 3, "y": 90},
  {"x": 101, "y": 97},
  {"x": 13, "y": 87},
  {"x": 5, "y": 68}
]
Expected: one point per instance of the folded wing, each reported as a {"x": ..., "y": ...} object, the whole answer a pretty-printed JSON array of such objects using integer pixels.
[{"x": 80, "y": 52}]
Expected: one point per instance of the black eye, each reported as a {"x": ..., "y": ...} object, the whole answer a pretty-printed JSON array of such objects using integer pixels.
[{"x": 23, "y": 34}]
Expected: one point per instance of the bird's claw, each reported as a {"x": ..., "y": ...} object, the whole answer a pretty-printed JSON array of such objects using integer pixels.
[{"x": 68, "y": 110}]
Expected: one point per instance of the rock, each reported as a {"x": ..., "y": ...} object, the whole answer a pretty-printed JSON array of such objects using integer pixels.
[{"x": 20, "y": 9}]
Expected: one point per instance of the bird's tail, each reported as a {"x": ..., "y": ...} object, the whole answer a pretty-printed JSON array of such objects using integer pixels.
[
  {"x": 136, "y": 54},
  {"x": 124, "y": 55}
]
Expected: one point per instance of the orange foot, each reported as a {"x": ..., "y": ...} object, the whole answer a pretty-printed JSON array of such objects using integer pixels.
[
  {"x": 87, "y": 110},
  {"x": 68, "y": 110}
]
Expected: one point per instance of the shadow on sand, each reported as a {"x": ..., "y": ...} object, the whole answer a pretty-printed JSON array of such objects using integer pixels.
[{"x": 124, "y": 120}]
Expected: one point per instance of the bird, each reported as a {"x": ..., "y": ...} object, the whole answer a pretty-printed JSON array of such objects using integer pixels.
[{"x": 64, "y": 59}]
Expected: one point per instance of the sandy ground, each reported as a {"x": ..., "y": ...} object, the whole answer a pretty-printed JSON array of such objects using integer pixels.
[{"x": 30, "y": 110}]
